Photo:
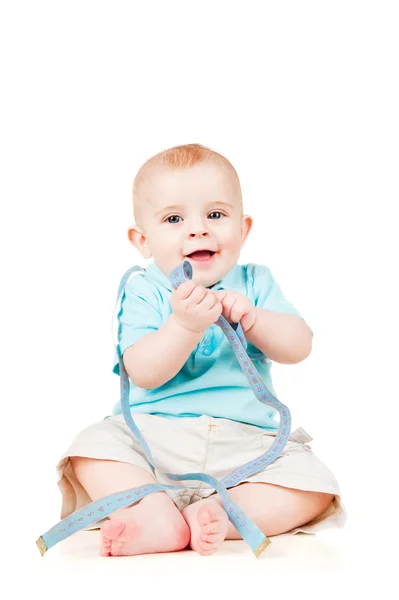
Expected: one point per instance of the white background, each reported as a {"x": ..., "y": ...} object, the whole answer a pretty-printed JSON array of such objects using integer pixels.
[{"x": 302, "y": 98}]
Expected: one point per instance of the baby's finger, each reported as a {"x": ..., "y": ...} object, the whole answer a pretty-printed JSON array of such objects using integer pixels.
[
  {"x": 216, "y": 310},
  {"x": 207, "y": 301},
  {"x": 185, "y": 289},
  {"x": 228, "y": 305},
  {"x": 197, "y": 295},
  {"x": 220, "y": 294},
  {"x": 237, "y": 312}
]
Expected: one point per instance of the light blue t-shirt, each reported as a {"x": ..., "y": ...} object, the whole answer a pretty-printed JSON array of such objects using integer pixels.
[{"x": 211, "y": 382}]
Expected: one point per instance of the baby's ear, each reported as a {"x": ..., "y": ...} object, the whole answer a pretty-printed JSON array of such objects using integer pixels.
[{"x": 137, "y": 238}]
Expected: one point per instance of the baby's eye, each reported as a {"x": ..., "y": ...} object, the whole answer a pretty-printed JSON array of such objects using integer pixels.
[
  {"x": 216, "y": 212},
  {"x": 171, "y": 217}
]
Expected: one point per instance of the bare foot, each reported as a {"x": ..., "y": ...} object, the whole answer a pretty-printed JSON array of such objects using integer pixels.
[
  {"x": 153, "y": 525},
  {"x": 208, "y": 523}
]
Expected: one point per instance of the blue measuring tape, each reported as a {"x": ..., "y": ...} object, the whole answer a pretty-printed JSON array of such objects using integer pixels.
[{"x": 99, "y": 509}]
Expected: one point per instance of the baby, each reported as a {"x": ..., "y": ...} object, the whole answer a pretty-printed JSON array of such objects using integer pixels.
[{"x": 188, "y": 393}]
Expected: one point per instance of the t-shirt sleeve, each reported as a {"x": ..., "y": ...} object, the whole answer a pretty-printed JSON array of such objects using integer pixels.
[
  {"x": 137, "y": 316},
  {"x": 268, "y": 294}
]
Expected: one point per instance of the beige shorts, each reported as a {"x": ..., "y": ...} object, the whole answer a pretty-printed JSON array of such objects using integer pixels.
[{"x": 214, "y": 446}]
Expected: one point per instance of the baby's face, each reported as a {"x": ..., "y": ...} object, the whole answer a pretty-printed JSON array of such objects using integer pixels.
[{"x": 183, "y": 210}]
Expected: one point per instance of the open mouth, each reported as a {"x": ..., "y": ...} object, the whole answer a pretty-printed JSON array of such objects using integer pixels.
[{"x": 201, "y": 255}]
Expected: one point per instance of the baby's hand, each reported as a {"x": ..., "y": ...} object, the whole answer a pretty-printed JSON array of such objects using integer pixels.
[
  {"x": 194, "y": 307},
  {"x": 237, "y": 308}
]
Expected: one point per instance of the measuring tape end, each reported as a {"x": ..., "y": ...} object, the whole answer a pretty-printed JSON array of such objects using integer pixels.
[
  {"x": 263, "y": 546},
  {"x": 41, "y": 545}
]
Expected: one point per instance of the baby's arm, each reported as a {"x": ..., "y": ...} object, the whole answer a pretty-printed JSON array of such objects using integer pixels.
[{"x": 158, "y": 356}]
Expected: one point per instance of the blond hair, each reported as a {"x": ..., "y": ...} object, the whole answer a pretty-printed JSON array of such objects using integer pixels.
[{"x": 178, "y": 157}]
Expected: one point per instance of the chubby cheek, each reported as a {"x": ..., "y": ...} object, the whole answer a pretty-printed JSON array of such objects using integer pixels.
[
  {"x": 232, "y": 246},
  {"x": 164, "y": 250},
  {"x": 162, "y": 242},
  {"x": 230, "y": 239}
]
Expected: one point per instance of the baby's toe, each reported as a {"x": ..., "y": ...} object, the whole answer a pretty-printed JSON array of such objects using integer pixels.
[
  {"x": 112, "y": 529},
  {"x": 206, "y": 548},
  {"x": 212, "y": 538}
]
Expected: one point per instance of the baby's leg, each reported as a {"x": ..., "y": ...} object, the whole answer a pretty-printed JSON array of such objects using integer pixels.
[{"x": 154, "y": 524}]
